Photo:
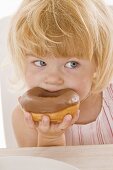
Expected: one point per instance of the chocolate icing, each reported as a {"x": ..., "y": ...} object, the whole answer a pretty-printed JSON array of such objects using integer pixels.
[{"x": 38, "y": 100}]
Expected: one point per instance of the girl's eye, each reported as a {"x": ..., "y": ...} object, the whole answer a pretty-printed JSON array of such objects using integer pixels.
[
  {"x": 39, "y": 63},
  {"x": 71, "y": 64}
]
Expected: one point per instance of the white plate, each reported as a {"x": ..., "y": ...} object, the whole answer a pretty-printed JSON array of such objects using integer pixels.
[{"x": 32, "y": 163}]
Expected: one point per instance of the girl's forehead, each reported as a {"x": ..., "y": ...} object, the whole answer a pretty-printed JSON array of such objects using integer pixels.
[
  {"x": 67, "y": 47},
  {"x": 60, "y": 52}
]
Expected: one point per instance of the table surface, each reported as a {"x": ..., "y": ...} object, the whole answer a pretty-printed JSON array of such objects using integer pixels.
[{"x": 88, "y": 157}]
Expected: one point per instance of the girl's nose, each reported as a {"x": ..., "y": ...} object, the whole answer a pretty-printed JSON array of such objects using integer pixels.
[{"x": 54, "y": 79}]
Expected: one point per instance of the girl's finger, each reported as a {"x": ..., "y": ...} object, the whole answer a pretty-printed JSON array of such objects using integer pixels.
[
  {"x": 75, "y": 118},
  {"x": 28, "y": 119},
  {"x": 44, "y": 124},
  {"x": 66, "y": 122}
]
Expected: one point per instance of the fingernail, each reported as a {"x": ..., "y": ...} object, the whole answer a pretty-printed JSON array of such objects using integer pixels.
[
  {"x": 45, "y": 119},
  {"x": 68, "y": 117}
]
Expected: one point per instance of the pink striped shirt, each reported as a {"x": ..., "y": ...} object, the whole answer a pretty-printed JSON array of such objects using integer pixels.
[{"x": 99, "y": 131}]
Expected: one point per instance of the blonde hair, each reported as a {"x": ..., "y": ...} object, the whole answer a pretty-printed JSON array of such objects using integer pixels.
[{"x": 81, "y": 28}]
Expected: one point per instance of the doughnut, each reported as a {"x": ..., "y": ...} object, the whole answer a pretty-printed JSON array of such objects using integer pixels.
[{"x": 56, "y": 104}]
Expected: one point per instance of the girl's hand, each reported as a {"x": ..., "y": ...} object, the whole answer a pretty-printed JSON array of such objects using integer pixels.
[{"x": 50, "y": 134}]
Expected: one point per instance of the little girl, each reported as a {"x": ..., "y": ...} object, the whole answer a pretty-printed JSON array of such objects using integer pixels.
[{"x": 58, "y": 44}]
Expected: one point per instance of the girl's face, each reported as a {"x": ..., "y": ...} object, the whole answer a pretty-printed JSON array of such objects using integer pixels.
[{"x": 54, "y": 74}]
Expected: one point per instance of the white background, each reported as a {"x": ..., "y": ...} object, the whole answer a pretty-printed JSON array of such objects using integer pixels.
[{"x": 8, "y": 7}]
